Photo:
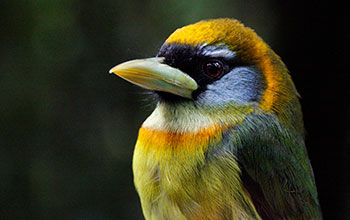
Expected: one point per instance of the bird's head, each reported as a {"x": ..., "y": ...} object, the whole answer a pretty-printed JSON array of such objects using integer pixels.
[{"x": 216, "y": 63}]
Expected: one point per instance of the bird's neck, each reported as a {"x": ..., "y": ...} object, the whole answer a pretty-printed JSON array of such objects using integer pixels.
[
  {"x": 180, "y": 119},
  {"x": 181, "y": 128},
  {"x": 187, "y": 117},
  {"x": 187, "y": 128}
]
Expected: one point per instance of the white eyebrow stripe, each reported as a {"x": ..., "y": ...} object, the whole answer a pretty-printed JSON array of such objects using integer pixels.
[{"x": 218, "y": 52}]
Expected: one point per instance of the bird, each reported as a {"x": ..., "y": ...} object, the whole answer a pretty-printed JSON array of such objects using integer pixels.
[{"x": 226, "y": 139}]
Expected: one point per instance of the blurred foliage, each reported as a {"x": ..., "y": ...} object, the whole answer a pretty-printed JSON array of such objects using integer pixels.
[{"x": 68, "y": 127}]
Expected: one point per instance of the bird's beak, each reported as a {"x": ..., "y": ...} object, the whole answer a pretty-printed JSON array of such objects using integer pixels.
[{"x": 152, "y": 74}]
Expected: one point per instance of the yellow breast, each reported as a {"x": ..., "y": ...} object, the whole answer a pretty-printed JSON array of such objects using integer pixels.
[{"x": 175, "y": 180}]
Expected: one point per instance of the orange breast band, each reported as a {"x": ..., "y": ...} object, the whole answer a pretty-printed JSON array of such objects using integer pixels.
[{"x": 160, "y": 140}]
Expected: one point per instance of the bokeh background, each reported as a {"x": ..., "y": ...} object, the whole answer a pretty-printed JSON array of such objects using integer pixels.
[{"x": 67, "y": 127}]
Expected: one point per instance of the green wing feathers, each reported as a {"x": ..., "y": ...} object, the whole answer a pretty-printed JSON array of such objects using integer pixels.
[{"x": 275, "y": 169}]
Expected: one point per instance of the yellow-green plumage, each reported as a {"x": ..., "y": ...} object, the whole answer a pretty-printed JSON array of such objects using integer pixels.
[{"x": 226, "y": 140}]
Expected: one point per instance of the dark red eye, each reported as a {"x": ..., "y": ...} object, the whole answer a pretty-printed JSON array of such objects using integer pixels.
[{"x": 214, "y": 68}]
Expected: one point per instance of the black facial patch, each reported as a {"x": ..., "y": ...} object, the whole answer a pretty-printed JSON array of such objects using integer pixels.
[{"x": 191, "y": 60}]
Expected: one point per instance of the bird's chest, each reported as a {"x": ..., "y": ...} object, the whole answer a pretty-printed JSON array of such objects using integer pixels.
[
  {"x": 168, "y": 170},
  {"x": 172, "y": 162},
  {"x": 176, "y": 180}
]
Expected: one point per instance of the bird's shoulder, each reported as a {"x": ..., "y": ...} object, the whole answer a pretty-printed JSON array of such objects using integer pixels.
[{"x": 274, "y": 167}]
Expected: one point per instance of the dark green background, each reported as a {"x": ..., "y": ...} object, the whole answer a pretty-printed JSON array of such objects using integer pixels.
[{"x": 67, "y": 127}]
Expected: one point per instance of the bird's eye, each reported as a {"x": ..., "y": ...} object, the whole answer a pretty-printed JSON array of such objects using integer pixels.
[{"x": 214, "y": 68}]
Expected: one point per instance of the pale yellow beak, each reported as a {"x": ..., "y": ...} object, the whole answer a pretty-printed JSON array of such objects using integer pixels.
[{"x": 152, "y": 74}]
